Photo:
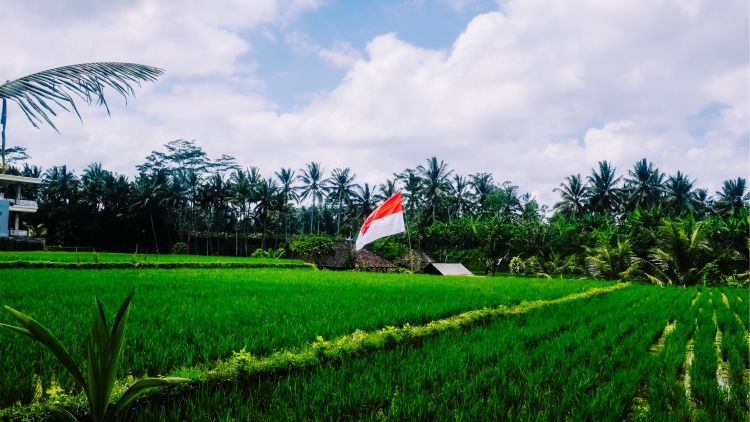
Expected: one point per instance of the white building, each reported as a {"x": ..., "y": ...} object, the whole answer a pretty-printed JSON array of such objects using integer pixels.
[{"x": 13, "y": 203}]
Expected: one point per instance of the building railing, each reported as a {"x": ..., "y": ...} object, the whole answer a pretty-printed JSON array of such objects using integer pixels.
[
  {"x": 26, "y": 203},
  {"x": 19, "y": 233}
]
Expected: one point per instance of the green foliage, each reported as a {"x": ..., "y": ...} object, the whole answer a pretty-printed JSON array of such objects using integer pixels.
[
  {"x": 608, "y": 261},
  {"x": 711, "y": 274},
  {"x": 680, "y": 253},
  {"x": 390, "y": 249},
  {"x": 558, "y": 266},
  {"x": 533, "y": 266},
  {"x": 268, "y": 253},
  {"x": 314, "y": 246},
  {"x": 180, "y": 248},
  {"x": 517, "y": 266},
  {"x": 104, "y": 349}
]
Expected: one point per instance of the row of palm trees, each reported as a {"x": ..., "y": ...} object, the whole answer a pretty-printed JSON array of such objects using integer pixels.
[
  {"x": 645, "y": 187},
  {"x": 181, "y": 195}
]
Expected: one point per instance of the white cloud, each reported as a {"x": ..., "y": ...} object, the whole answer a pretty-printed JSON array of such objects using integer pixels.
[{"x": 533, "y": 93}]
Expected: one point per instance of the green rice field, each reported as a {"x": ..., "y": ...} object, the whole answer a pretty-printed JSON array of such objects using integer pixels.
[
  {"x": 112, "y": 257},
  {"x": 629, "y": 352}
]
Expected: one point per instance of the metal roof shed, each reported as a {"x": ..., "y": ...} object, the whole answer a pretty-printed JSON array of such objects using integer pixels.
[{"x": 445, "y": 268}]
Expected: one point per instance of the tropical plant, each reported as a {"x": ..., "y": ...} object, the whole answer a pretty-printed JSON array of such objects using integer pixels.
[
  {"x": 573, "y": 194},
  {"x": 385, "y": 190},
  {"x": 38, "y": 94},
  {"x": 517, "y": 265},
  {"x": 104, "y": 348},
  {"x": 483, "y": 186},
  {"x": 558, "y": 266},
  {"x": 604, "y": 195},
  {"x": 435, "y": 183},
  {"x": 679, "y": 196},
  {"x": 312, "y": 186},
  {"x": 267, "y": 198},
  {"x": 732, "y": 197},
  {"x": 268, "y": 253},
  {"x": 340, "y": 188},
  {"x": 644, "y": 186},
  {"x": 607, "y": 260},
  {"x": 680, "y": 254}
]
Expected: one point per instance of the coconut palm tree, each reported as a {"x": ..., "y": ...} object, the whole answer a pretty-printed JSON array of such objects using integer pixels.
[
  {"x": 679, "y": 197},
  {"x": 461, "y": 197},
  {"x": 61, "y": 186},
  {"x": 436, "y": 183},
  {"x": 732, "y": 197},
  {"x": 363, "y": 202},
  {"x": 267, "y": 197},
  {"x": 483, "y": 186},
  {"x": 386, "y": 190},
  {"x": 604, "y": 195},
  {"x": 287, "y": 194},
  {"x": 573, "y": 194},
  {"x": 149, "y": 195},
  {"x": 312, "y": 186},
  {"x": 413, "y": 186},
  {"x": 93, "y": 186},
  {"x": 340, "y": 187},
  {"x": 39, "y": 95},
  {"x": 644, "y": 186}
]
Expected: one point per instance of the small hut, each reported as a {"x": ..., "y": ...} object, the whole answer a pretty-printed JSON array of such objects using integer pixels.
[{"x": 444, "y": 268}]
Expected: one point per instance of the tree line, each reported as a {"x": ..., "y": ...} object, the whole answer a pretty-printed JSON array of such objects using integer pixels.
[{"x": 641, "y": 224}]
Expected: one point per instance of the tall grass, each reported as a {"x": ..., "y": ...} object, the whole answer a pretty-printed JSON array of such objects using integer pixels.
[
  {"x": 184, "y": 318},
  {"x": 578, "y": 360}
]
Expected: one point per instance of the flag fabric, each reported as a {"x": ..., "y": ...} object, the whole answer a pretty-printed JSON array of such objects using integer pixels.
[{"x": 387, "y": 219}]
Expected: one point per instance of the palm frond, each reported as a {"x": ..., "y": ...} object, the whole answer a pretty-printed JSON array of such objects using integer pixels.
[{"x": 39, "y": 94}]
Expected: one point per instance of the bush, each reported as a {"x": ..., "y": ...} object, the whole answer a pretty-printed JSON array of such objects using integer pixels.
[
  {"x": 180, "y": 248},
  {"x": 517, "y": 266},
  {"x": 533, "y": 266},
  {"x": 314, "y": 246}
]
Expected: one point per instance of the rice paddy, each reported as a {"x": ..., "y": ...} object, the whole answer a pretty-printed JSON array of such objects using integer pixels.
[{"x": 636, "y": 352}]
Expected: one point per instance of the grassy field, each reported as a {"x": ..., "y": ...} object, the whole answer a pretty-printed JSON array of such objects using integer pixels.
[
  {"x": 183, "y": 318},
  {"x": 604, "y": 358},
  {"x": 104, "y": 257},
  {"x": 639, "y": 352}
]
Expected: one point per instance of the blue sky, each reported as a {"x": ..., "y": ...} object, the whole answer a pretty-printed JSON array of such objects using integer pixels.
[
  {"x": 292, "y": 74},
  {"x": 529, "y": 90}
]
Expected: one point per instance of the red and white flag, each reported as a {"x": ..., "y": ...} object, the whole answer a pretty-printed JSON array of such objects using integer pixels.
[{"x": 386, "y": 220}]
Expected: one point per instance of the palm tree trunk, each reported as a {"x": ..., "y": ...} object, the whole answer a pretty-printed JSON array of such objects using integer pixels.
[{"x": 153, "y": 230}]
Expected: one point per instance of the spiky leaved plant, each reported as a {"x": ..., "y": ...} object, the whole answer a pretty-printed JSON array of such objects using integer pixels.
[{"x": 103, "y": 353}]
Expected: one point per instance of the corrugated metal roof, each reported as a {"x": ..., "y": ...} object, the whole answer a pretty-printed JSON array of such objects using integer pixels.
[{"x": 449, "y": 269}]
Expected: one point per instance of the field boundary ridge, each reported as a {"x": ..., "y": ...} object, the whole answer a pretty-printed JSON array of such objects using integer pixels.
[{"x": 149, "y": 265}]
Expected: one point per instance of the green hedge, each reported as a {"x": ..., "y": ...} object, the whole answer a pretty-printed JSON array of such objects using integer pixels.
[{"x": 159, "y": 265}]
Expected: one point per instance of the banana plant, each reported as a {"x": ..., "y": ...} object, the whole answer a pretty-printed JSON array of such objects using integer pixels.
[{"x": 103, "y": 354}]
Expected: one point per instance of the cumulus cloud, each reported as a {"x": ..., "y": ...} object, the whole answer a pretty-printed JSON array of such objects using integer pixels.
[{"x": 532, "y": 92}]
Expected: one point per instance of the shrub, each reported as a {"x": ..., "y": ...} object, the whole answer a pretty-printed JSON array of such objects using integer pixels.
[
  {"x": 517, "y": 266},
  {"x": 314, "y": 246},
  {"x": 180, "y": 248}
]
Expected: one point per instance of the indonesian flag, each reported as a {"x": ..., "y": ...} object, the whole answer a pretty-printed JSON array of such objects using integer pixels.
[{"x": 386, "y": 220}]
